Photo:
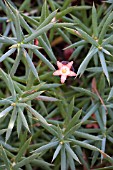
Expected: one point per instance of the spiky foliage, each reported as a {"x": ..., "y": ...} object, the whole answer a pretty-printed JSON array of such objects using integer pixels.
[{"x": 43, "y": 123}]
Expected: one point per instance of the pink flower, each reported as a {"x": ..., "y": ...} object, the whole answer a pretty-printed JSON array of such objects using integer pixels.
[{"x": 64, "y": 70}]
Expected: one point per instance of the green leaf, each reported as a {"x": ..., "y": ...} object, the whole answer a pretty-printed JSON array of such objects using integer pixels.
[
  {"x": 74, "y": 120},
  {"x": 63, "y": 34},
  {"x": 31, "y": 65},
  {"x": 87, "y": 37},
  {"x": 52, "y": 5},
  {"x": 16, "y": 63},
  {"x": 106, "y": 52},
  {"x": 90, "y": 112},
  {"x": 30, "y": 46},
  {"x": 47, "y": 146},
  {"x": 65, "y": 4},
  {"x": 76, "y": 44},
  {"x": 22, "y": 150},
  {"x": 84, "y": 145},
  {"x": 37, "y": 115},
  {"x": 72, "y": 154},
  {"x": 9, "y": 12},
  {"x": 105, "y": 27},
  {"x": 63, "y": 158},
  {"x": 73, "y": 31},
  {"x": 25, "y": 161},
  {"x": 47, "y": 49},
  {"x": 5, "y": 158},
  {"x": 48, "y": 20},
  {"x": 7, "y": 54},
  {"x": 25, "y": 25},
  {"x": 30, "y": 20},
  {"x": 104, "y": 67},
  {"x": 19, "y": 124},
  {"x": 64, "y": 24},
  {"x": 69, "y": 9},
  {"x": 18, "y": 27},
  {"x": 11, "y": 123},
  {"x": 84, "y": 91},
  {"x": 95, "y": 155},
  {"x": 2, "y": 131},
  {"x": 99, "y": 120},
  {"x": 71, "y": 162},
  {"x": 38, "y": 33},
  {"x": 71, "y": 107},
  {"x": 94, "y": 21},
  {"x": 85, "y": 62},
  {"x": 22, "y": 119},
  {"x": 103, "y": 147},
  {"x": 105, "y": 168},
  {"x": 86, "y": 136},
  {"x": 44, "y": 12},
  {"x": 7, "y": 40},
  {"x": 24, "y": 4},
  {"x": 4, "y": 112},
  {"x": 80, "y": 23},
  {"x": 43, "y": 58},
  {"x": 104, "y": 116},
  {"x": 72, "y": 130},
  {"x": 56, "y": 152},
  {"x": 12, "y": 88},
  {"x": 110, "y": 96},
  {"x": 76, "y": 53},
  {"x": 107, "y": 40},
  {"x": 46, "y": 98},
  {"x": 31, "y": 97}
]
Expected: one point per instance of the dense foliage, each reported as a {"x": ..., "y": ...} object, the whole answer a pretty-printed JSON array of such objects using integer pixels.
[{"x": 46, "y": 123}]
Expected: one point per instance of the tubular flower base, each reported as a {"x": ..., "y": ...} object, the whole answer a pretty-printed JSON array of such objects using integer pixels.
[{"x": 64, "y": 70}]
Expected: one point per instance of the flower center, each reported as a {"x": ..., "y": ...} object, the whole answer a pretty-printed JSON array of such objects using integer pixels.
[{"x": 64, "y": 70}]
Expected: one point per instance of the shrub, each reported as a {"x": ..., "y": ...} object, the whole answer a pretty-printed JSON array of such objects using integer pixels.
[{"x": 46, "y": 123}]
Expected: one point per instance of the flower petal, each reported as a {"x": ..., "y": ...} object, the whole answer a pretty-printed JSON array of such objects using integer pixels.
[
  {"x": 69, "y": 65},
  {"x": 57, "y": 73},
  {"x": 72, "y": 74},
  {"x": 63, "y": 78},
  {"x": 59, "y": 64}
]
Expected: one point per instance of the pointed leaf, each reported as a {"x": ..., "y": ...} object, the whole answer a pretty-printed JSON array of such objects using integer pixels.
[
  {"x": 4, "y": 112},
  {"x": 57, "y": 152},
  {"x": 85, "y": 62},
  {"x": 86, "y": 136},
  {"x": 47, "y": 146},
  {"x": 90, "y": 112},
  {"x": 31, "y": 97},
  {"x": 38, "y": 33},
  {"x": 23, "y": 119},
  {"x": 7, "y": 54},
  {"x": 47, "y": 49},
  {"x": 11, "y": 123},
  {"x": 94, "y": 21},
  {"x": 22, "y": 150},
  {"x": 63, "y": 158},
  {"x": 43, "y": 58},
  {"x": 19, "y": 124},
  {"x": 74, "y": 120},
  {"x": 72, "y": 154},
  {"x": 31, "y": 65},
  {"x": 16, "y": 63},
  {"x": 105, "y": 27},
  {"x": 11, "y": 87},
  {"x": 5, "y": 158},
  {"x": 104, "y": 66},
  {"x": 37, "y": 115},
  {"x": 87, "y": 37}
]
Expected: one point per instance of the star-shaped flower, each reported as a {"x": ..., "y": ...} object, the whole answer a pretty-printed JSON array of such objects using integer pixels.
[{"x": 64, "y": 70}]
